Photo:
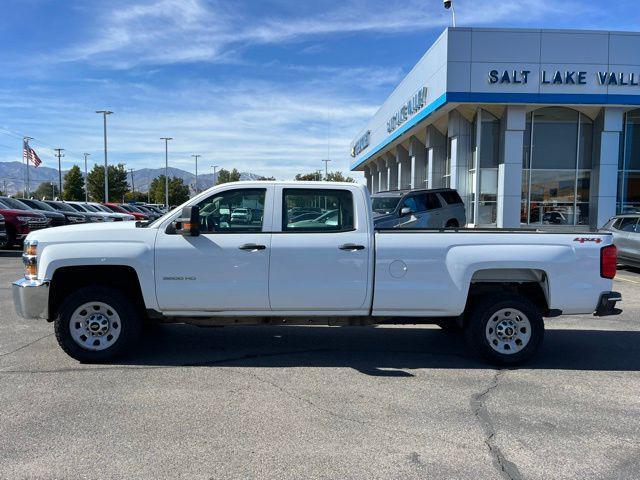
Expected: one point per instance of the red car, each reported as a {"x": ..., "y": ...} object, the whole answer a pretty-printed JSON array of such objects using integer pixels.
[
  {"x": 19, "y": 223},
  {"x": 114, "y": 207}
]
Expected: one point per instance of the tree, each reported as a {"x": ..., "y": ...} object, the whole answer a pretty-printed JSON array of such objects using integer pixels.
[
  {"x": 45, "y": 190},
  {"x": 73, "y": 186},
  {"x": 338, "y": 177},
  {"x": 308, "y": 177},
  {"x": 178, "y": 191},
  {"x": 226, "y": 176},
  {"x": 317, "y": 176},
  {"x": 135, "y": 196},
  {"x": 118, "y": 185}
]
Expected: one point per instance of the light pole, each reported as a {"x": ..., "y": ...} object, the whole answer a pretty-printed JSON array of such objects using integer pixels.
[
  {"x": 214, "y": 174},
  {"x": 133, "y": 185},
  {"x": 448, "y": 4},
  {"x": 86, "y": 192},
  {"x": 196, "y": 157},
  {"x": 53, "y": 192},
  {"x": 166, "y": 170},
  {"x": 106, "y": 168},
  {"x": 326, "y": 168},
  {"x": 59, "y": 154}
]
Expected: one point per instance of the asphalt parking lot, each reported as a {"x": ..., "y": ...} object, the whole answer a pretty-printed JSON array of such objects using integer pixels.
[{"x": 321, "y": 402}]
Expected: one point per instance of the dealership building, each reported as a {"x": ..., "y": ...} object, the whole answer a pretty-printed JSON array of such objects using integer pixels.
[{"x": 531, "y": 127}]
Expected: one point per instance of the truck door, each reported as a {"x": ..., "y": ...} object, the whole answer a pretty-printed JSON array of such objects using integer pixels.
[
  {"x": 226, "y": 267},
  {"x": 322, "y": 263}
]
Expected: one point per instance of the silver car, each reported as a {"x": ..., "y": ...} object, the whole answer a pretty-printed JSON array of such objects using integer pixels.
[
  {"x": 435, "y": 208},
  {"x": 626, "y": 236}
]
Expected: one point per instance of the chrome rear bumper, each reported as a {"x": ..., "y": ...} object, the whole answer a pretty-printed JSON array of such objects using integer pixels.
[{"x": 31, "y": 298}]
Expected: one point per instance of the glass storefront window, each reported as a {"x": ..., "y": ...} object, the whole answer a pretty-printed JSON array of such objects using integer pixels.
[
  {"x": 483, "y": 174},
  {"x": 629, "y": 168},
  {"x": 555, "y": 138},
  {"x": 557, "y": 157}
]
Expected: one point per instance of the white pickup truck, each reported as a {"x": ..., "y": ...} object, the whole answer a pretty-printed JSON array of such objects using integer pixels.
[{"x": 309, "y": 255}]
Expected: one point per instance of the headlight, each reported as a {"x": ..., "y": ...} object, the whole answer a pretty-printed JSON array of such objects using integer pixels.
[
  {"x": 24, "y": 219},
  {"x": 97, "y": 219},
  {"x": 30, "y": 259},
  {"x": 76, "y": 219}
]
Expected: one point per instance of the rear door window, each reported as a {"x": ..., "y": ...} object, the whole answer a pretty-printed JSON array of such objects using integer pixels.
[
  {"x": 628, "y": 224},
  {"x": 432, "y": 201},
  {"x": 328, "y": 210},
  {"x": 451, "y": 197}
]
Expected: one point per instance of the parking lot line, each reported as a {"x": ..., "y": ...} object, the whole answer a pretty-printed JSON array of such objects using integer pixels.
[{"x": 627, "y": 280}]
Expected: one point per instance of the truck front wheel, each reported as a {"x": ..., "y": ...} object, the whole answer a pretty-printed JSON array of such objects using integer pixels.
[
  {"x": 97, "y": 324},
  {"x": 505, "y": 330}
]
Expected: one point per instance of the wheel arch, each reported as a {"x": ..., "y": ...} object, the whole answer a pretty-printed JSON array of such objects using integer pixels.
[
  {"x": 530, "y": 283},
  {"x": 66, "y": 280}
]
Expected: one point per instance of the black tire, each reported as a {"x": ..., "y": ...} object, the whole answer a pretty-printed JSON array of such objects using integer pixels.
[
  {"x": 129, "y": 324},
  {"x": 449, "y": 326},
  {"x": 476, "y": 331},
  {"x": 452, "y": 224}
]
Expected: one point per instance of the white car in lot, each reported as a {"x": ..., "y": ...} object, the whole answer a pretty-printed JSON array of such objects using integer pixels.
[
  {"x": 241, "y": 215},
  {"x": 99, "y": 283},
  {"x": 102, "y": 208}
]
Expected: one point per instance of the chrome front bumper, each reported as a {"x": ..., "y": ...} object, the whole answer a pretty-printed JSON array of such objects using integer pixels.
[{"x": 31, "y": 298}]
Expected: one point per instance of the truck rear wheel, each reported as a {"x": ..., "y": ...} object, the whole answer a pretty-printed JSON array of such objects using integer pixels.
[
  {"x": 505, "y": 330},
  {"x": 97, "y": 324}
]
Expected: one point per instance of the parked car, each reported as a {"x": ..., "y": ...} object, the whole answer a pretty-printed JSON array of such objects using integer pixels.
[
  {"x": 70, "y": 217},
  {"x": 114, "y": 207},
  {"x": 134, "y": 210},
  {"x": 56, "y": 219},
  {"x": 84, "y": 208},
  {"x": 3, "y": 231},
  {"x": 241, "y": 215},
  {"x": 149, "y": 212},
  {"x": 497, "y": 286},
  {"x": 436, "y": 208},
  {"x": 102, "y": 208},
  {"x": 19, "y": 223},
  {"x": 65, "y": 207},
  {"x": 626, "y": 236}
]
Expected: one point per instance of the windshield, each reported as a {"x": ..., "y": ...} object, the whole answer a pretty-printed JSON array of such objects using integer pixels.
[
  {"x": 63, "y": 207},
  {"x": 384, "y": 204},
  {"x": 15, "y": 204},
  {"x": 39, "y": 205},
  {"x": 91, "y": 208},
  {"x": 101, "y": 208}
]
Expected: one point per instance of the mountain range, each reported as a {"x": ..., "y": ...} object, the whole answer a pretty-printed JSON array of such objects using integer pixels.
[{"x": 12, "y": 177}]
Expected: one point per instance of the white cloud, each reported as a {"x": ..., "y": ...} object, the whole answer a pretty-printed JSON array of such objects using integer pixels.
[{"x": 175, "y": 31}]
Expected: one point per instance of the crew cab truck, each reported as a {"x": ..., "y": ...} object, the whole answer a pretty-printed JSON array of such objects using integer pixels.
[{"x": 98, "y": 283}]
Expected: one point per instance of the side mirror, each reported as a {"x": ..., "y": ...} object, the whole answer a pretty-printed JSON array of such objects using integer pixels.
[
  {"x": 188, "y": 224},
  {"x": 405, "y": 211}
]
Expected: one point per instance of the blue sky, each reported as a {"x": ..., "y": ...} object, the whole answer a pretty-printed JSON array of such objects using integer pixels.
[{"x": 270, "y": 87}]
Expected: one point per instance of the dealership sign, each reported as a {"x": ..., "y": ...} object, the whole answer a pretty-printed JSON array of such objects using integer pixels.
[
  {"x": 563, "y": 77},
  {"x": 361, "y": 143},
  {"x": 411, "y": 106}
]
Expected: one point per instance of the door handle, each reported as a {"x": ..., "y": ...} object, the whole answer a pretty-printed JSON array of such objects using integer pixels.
[
  {"x": 351, "y": 247},
  {"x": 252, "y": 247}
]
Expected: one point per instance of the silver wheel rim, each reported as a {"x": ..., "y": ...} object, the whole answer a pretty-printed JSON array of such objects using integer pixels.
[
  {"x": 95, "y": 326},
  {"x": 508, "y": 331}
]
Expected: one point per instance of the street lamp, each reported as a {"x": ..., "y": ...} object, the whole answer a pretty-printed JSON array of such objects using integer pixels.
[
  {"x": 166, "y": 170},
  {"x": 106, "y": 168},
  {"x": 214, "y": 173},
  {"x": 86, "y": 191},
  {"x": 196, "y": 157},
  {"x": 326, "y": 168}
]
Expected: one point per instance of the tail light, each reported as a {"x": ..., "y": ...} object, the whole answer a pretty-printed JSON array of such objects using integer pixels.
[{"x": 608, "y": 261}]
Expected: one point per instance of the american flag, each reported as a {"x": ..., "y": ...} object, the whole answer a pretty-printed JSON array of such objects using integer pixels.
[{"x": 30, "y": 155}]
